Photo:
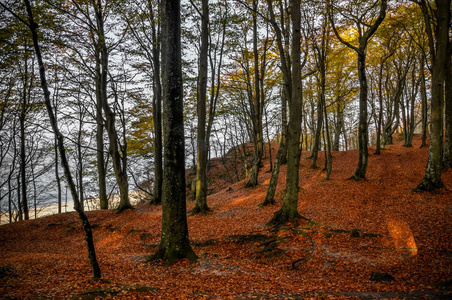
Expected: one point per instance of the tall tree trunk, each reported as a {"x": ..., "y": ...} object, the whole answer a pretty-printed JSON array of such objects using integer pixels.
[
  {"x": 57, "y": 174},
  {"x": 288, "y": 211},
  {"x": 281, "y": 156},
  {"x": 364, "y": 37},
  {"x": 424, "y": 103},
  {"x": 338, "y": 126},
  {"x": 23, "y": 162},
  {"x": 447, "y": 153},
  {"x": 174, "y": 244},
  {"x": 432, "y": 176},
  {"x": 318, "y": 131},
  {"x": 86, "y": 225},
  {"x": 256, "y": 108},
  {"x": 19, "y": 200},
  {"x": 360, "y": 172},
  {"x": 380, "y": 101},
  {"x": 157, "y": 112},
  {"x": 101, "y": 172},
  {"x": 118, "y": 155},
  {"x": 201, "y": 153}
]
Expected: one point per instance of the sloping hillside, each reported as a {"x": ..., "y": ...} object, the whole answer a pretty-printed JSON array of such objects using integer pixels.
[{"x": 372, "y": 239}]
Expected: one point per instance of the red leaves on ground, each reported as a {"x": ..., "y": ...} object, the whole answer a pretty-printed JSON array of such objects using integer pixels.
[{"x": 356, "y": 228}]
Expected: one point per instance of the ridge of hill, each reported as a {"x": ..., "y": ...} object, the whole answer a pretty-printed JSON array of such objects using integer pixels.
[{"x": 370, "y": 239}]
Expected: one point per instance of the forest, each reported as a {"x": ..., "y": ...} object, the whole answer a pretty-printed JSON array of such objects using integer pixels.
[{"x": 214, "y": 139}]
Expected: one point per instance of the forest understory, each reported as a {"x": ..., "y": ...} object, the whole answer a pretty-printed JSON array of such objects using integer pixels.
[{"x": 372, "y": 239}]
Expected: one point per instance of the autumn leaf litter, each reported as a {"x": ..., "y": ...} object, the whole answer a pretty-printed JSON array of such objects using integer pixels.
[{"x": 351, "y": 229}]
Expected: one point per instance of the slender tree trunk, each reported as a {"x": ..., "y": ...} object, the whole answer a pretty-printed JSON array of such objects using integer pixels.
[
  {"x": 174, "y": 244},
  {"x": 280, "y": 157},
  {"x": 424, "y": 103},
  {"x": 201, "y": 153},
  {"x": 101, "y": 172},
  {"x": 288, "y": 211},
  {"x": 80, "y": 162},
  {"x": 318, "y": 131},
  {"x": 86, "y": 226},
  {"x": 118, "y": 159},
  {"x": 364, "y": 37},
  {"x": 380, "y": 103},
  {"x": 157, "y": 112},
  {"x": 57, "y": 175},
  {"x": 338, "y": 127},
  {"x": 10, "y": 200},
  {"x": 23, "y": 161},
  {"x": 19, "y": 200},
  {"x": 255, "y": 109}
]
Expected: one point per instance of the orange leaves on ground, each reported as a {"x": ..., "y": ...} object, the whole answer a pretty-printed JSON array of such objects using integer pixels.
[{"x": 357, "y": 228}]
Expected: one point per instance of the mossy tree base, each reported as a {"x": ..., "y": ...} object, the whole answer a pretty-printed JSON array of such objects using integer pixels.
[
  {"x": 429, "y": 186},
  {"x": 172, "y": 255},
  {"x": 284, "y": 216},
  {"x": 357, "y": 178},
  {"x": 122, "y": 208},
  {"x": 199, "y": 209},
  {"x": 267, "y": 202}
]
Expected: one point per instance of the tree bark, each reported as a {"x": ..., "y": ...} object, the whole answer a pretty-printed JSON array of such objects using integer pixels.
[
  {"x": 432, "y": 176},
  {"x": 256, "y": 109},
  {"x": 23, "y": 204},
  {"x": 364, "y": 37},
  {"x": 424, "y": 104},
  {"x": 157, "y": 113},
  {"x": 174, "y": 244},
  {"x": 318, "y": 131},
  {"x": 201, "y": 153},
  {"x": 447, "y": 153},
  {"x": 289, "y": 211},
  {"x": 280, "y": 157},
  {"x": 101, "y": 173},
  {"x": 118, "y": 159},
  {"x": 86, "y": 225},
  {"x": 363, "y": 137}
]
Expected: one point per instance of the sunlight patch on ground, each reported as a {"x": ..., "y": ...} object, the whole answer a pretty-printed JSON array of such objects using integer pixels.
[
  {"x": 402, "y": 235},
  {"x": 236, "y": 202}
]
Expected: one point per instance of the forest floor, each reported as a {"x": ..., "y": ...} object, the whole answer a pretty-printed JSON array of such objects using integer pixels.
[{"x": 372, "y": 239}]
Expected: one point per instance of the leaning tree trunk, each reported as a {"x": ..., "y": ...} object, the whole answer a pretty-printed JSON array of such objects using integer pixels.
[
  {"x": 86, "y": 225},
  {"x": 174, "y": 244}
]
